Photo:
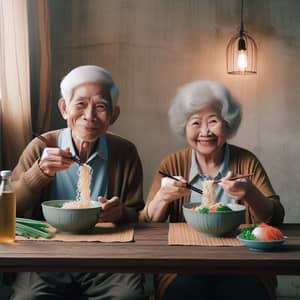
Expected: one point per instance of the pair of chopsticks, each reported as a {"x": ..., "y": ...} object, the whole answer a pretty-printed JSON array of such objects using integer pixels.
[
  {"x": 236, "y": 177},
  {"x": 191, "y": 187},
  {"x": 49, "y": 144}
]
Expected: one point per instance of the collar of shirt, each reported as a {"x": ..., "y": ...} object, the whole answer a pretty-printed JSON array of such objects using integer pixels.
[
  {"x": 195, "y": 172},
  {"x": 65, "y": 140}
]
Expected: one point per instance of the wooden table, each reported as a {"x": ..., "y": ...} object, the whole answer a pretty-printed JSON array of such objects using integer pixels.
[{"x": 150, "y": 253}]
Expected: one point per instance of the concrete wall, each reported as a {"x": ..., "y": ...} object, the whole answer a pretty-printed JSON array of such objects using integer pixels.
[{"x": 151, "y": 47}]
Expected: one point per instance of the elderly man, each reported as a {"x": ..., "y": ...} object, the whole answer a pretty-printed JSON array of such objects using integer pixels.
[{"x": 89, "y": 104}]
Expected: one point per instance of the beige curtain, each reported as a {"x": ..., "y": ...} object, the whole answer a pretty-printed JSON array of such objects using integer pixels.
[{"x": 15, "y": 81}]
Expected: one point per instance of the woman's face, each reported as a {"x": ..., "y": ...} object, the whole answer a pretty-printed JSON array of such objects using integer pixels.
[{"x": 206, "y": 131}]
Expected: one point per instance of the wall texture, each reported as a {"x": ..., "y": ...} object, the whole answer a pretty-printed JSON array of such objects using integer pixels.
[{"x": 151, "y": 47}]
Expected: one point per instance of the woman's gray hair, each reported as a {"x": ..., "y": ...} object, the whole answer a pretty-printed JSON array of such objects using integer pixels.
[
  {"x": 86, "y": 74},
  {"x": 195, "y": 95}
]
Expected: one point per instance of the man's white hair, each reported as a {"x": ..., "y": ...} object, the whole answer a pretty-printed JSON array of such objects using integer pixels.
[{"x": 86, "y": 74}]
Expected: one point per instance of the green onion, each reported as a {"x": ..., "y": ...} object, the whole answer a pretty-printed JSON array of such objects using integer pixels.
[
  {"x": 203, "y": 210},
  {"x": 32, "y": 228},
  {"x": 246, "y": 233},
  {"x": 31, "y": 223},
  {"x": 223, "y": 208}
]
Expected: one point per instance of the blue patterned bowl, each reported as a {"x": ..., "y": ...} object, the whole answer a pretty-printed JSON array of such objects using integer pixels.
[{"x": 257, "y": 245}]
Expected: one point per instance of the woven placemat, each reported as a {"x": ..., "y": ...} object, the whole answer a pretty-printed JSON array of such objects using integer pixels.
[
  {"x": 184, "y": 234},
  {"x": 103, "y": 232}
]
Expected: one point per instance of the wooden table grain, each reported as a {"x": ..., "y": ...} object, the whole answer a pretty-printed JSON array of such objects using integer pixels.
[{"x": 150, "y": 253}]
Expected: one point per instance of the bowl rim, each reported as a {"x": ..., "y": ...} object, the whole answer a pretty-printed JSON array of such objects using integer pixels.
[
  {"x": 285, "y": 237},
  {"x": 45, "y": 204},
  {"x": 188, "y": 205}
]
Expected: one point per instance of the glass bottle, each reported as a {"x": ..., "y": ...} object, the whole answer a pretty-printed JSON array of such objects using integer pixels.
[{"x": 7, "y": 209}]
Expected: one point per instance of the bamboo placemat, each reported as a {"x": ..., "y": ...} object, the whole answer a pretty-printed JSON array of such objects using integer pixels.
[
  {"x": 103, "y": 232},
  {"x": 184, "y": 234}
]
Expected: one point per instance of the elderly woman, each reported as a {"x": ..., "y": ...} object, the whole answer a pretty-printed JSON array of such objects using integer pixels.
[{"x": 204, "y": 113}]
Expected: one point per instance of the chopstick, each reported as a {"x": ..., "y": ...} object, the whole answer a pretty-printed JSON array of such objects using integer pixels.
[
  {"x": 191, "y": 187},
  {"x": 48, "y": 144},
  {"x": 236, "y": 177},
  {"x": 76, "y": 159}
]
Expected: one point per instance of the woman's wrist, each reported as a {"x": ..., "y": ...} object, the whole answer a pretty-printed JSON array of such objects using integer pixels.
[{"x": 158, "y": 207}]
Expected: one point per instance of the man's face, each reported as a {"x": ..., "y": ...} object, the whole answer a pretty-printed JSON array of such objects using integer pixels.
[{"x": 88, "y": 113}]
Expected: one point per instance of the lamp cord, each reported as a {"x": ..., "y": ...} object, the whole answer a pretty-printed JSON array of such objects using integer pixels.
[{"x": 242, "y": 17}]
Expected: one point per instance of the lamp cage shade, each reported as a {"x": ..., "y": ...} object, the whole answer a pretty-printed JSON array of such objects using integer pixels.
[{"x": 241, "y": 41}]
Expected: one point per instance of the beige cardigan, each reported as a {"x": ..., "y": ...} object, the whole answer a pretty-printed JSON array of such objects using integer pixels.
[
  {"x": 241, "y": 162},
  {"x": 124, "y": 172}
]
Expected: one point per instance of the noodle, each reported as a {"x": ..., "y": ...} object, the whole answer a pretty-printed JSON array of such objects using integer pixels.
[
  {"x": 83, "y": 197},
  {"x": 83, "y": 187},
  {"x": 209, "y": 195}
]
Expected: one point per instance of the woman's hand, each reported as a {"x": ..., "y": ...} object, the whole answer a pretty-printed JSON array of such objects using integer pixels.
[
  {"x": 111, "y": 210},
  {"x": 54, "y": 160},
  {"x": 169, "y": 191},
  {"x": 262, "y": 207},
  {"x": 236, "y": 189}
]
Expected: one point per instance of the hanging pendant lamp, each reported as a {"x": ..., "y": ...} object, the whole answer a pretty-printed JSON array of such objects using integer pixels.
[{"x": 241, "y": 52}]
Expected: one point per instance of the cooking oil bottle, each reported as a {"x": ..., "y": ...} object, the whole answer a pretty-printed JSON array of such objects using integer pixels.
[{"x": 7, "y": 209}]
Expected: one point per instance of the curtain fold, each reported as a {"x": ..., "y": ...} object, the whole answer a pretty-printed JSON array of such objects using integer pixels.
[
  {"x": 15, "y": 80},
  {"x": 45, "y": 92}
]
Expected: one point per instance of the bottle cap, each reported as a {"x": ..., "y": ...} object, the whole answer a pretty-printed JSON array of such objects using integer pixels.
[{"x": 5, "y": 173}]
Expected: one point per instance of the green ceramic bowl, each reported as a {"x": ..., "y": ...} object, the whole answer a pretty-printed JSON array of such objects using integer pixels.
[
  {"x": 71, "y": 220},
  {"x": 215, "y": 223}
]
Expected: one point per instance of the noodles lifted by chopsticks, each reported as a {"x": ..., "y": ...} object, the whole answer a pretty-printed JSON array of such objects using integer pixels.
[
  {"x": 84, "y": 182},
  {"x": 209, "y": 202},
  {"x": 83, "y": 197},
  {"x": 209, "y": 195}
]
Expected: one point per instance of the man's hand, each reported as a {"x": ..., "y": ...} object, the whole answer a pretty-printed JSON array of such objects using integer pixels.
[
  {"x": 54, "y": 160},
  {"x": 111, "y": 210}
]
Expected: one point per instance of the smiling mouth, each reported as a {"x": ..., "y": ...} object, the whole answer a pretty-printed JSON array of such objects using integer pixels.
[
  {"x": 90, "y": 128},
  {"x": 206, "y": 142}
]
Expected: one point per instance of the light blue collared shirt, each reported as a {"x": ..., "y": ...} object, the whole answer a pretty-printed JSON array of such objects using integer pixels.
[
  {"x": 64, "y": 185},
  {"x": 196, "y": 178}
]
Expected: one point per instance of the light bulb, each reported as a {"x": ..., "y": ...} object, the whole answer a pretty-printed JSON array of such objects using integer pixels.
[{"x": 242, "y": 60}]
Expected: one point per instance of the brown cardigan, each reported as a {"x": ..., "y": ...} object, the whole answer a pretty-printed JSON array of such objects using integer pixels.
[
  {"x": 124, "y": 172},
  {"x": 241, "y": 162}
]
